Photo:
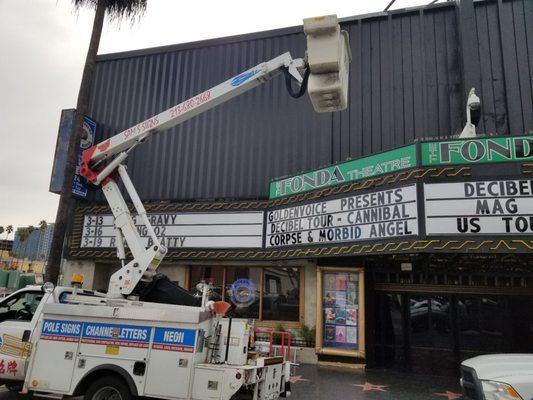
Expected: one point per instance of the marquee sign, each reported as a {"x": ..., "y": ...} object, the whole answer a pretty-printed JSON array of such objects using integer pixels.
[
  {"x": 375, "y": 215},
  {"x": 502, "y": 207},
  {"x": 478, "y": 151},
  {"x": 186, "y": 230},
  {"x": 354, "y": 170},
  {"x": 446, "y": 152},
  {"x": 499, "y": 207}
]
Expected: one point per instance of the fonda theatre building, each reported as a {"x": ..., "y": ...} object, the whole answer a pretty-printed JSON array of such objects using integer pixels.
[{"x": 405, "y": 246}]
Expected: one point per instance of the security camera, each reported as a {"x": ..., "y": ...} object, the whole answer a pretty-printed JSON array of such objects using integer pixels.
[
  {"x": 473, "y": 114},
  {"x": 473, "y": 101},
  {"x": 473, "y": 105}
]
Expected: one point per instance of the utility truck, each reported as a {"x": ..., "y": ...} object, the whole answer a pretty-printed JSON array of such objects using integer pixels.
[{"x": 146, "y": 337}]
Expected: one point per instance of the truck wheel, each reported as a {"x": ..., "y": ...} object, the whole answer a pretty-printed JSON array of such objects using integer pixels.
[
  {"x": 14, "y": 387},
  {"x": 108, "y": 388}
]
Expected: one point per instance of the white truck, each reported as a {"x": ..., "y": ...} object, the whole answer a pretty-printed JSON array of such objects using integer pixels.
[
  {"x": 498, "y": 377},
  {"x": 67, "y": 341},
  {"x": 64, "y": 341}
]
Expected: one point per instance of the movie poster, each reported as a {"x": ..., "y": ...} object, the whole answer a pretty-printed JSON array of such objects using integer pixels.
[{"x": 340, "y": 304}]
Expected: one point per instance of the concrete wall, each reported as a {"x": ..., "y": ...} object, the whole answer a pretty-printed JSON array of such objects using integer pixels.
[
  {"x": 310, "y": 295},
  {"x": 71, "y": 267},
  {"x": 96, "y": 275},
  {"x": 175, "y": 273}
]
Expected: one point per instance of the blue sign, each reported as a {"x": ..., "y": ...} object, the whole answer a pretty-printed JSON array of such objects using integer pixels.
[
  {"x": 242, "y": 293},
  {"x": 240, "y": 79},
  {"x": 172, "y": 339},
  {"x": 120, "y": 335},
  {"x": 60, "y": 157},
  {"x": 89, "y": 128},
  {"x": 63, "y": 331}
]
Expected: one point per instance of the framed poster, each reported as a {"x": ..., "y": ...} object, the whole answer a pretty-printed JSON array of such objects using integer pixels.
[{"x": 340, "y": 312}]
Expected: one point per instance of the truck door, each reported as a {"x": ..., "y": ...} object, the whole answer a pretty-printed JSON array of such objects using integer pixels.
[{"x": 16, "y": 313}]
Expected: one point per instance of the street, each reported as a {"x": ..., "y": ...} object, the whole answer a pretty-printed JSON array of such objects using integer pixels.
[
  {"x": 324, "y": 383},
  {"x": 312, "y": 382}
]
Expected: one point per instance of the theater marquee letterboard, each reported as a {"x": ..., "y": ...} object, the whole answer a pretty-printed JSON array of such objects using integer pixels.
[
  {"x": 193, "y": 230},
  {"x": 369, "y": 216},
  {"x": 499, "y": 207}
]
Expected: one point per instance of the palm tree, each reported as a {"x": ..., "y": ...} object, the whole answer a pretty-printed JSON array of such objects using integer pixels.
[
  {"x": 30, "y": 229},
  {"x": 115, "y": 9},
  {"x": 9, "y": 229},
  {"x": 2, "y": 244},
  {"x": 42, "y": 227},
  {"x": 23, "y": 234}
]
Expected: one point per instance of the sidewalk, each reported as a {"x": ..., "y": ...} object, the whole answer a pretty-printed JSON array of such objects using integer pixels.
[{"x": 311, "y": 382}]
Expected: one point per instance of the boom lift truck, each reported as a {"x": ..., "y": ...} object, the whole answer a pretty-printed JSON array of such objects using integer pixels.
[{"x": 68, "y": 341}]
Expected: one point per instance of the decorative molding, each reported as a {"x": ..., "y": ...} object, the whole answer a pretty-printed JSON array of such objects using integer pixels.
[
  {"x": 389, "y": 247},
  {"x": 527, "y": 168},
  {"x": 428, "y": 245}
]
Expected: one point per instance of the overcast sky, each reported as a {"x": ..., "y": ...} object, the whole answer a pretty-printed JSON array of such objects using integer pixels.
[{"x": 43, "y": 44}]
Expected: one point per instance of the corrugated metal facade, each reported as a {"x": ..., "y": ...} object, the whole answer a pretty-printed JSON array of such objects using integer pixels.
[{"x": 409, "y": 77}]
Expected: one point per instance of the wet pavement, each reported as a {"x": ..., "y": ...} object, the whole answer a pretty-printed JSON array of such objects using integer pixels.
[
  {"x": 326, "y": 383},
  {"x": 313, "y": 383}
]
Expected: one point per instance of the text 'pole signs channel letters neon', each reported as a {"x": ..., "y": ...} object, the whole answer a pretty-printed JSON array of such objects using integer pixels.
[{"x": 174, "y": 339}]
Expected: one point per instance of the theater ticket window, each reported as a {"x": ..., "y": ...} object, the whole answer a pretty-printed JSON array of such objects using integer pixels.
[{"x": 340, "y": 313}]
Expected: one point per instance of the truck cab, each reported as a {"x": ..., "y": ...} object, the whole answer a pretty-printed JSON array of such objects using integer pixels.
[
  {"x": 19, "y": 314},
  {"x": 498, "y": 377},
  {"x": 17, "y": 321}
]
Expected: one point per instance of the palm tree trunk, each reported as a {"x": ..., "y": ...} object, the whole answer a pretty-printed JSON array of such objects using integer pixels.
[{"x": 66, "y": 201}]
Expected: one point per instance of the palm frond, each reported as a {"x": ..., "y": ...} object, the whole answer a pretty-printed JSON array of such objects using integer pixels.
[{"x": 116, "y": 10}]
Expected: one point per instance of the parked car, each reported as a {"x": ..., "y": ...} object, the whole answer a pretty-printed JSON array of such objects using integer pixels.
[{"x": 498, "y": 377}]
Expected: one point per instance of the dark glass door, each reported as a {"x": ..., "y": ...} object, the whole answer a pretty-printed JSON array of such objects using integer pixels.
[
  {"x": 430, "y": 327},
  {"x": 433, "y": 333},
  {"x": 390, "y": 349}
]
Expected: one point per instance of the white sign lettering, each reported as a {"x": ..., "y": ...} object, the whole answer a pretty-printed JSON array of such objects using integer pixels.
[
  {"x": 483, "y": 208},
  {"x": 383, "y": 214},
  {"x": 187, "y": 230}
]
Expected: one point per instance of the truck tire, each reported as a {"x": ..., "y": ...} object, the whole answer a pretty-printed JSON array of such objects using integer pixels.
[
  {"x": 108, "y": 388},
  {"x": 14, "y": 387}
]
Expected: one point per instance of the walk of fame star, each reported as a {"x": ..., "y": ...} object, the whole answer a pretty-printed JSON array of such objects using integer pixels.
[
  {"x": 298, "y": 378},
  {"x": 449, "y": 395},
  {"x": 369, "y": 386}
]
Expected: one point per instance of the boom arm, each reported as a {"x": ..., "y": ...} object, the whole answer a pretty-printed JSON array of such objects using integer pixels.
[
  {"x": 328, "y": 55},
  {"x": 113, "y": 151}
]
